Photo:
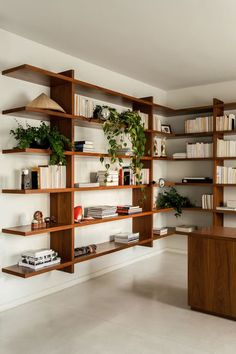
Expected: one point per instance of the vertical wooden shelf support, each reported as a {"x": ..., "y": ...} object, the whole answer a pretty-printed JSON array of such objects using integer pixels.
[{"x": 62, "y": 205}]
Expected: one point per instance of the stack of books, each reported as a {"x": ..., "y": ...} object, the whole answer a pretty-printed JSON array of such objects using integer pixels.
[
  {"x": 128, "y": 209},
  {"x": 207, "y": 201},
  {"x": 185, "y": 228},
  {"x": 226, "y": 122},
  {"x": 199, "y": 125},
  {"x": 197, "y": 180},
  {"x": 84, "y": 106},
  {"x": 179, "y": 155},
  {"x": 196, "y": 150},
  {"x": 101, "y": 211},
  {"x": 144, "y": 119},
  {"x": 226, "y": 148},
  {"x": 126, "y": 237},
  {"x": 160, "y": 231},
  {"x": 156, "y": 123},
  {"x": 86, "y": 184},
  {"x": 45, "y": 177},
  {"x": 225, "y": 175},
  {"x": 83, "y": 146},
  {"x": 125, "y": 151},
  {"x": 38, "y": 259},
  {"x": 108, "y": 178}
]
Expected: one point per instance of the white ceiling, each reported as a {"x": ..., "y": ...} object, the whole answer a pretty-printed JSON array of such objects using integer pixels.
[{"x": 167, "y": 43}]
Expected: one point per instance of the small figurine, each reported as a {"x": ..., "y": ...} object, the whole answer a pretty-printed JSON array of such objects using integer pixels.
[
  {"x": 163, "y": 147},
  {"x": 37, "y": 222}
]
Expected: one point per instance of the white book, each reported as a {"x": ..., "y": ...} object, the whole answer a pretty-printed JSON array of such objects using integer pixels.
[
  {"x": 37, "y": 253},
  {"x": 185, "y": 228},
  {"x": 40, "y": 266}
]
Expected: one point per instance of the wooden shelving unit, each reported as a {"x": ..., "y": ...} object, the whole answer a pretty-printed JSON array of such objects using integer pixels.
[{"x": 63, "y": 86}]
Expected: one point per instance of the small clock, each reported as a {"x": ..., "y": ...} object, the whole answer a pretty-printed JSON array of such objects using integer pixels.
[{"x": 161, "y": 182}]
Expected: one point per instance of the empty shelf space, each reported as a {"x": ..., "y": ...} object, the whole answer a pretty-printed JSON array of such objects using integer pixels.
[
  {"x": 37, "y": 191},
  {"x": 26, "y": 230}
]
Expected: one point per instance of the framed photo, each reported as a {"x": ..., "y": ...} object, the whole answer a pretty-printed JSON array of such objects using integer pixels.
[{"x": 165, "y": 128}]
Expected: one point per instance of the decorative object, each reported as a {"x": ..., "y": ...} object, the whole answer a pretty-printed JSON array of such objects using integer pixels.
[
  {"x": 116, "y": 127},
  {"x": 161, "y": 182},
  {"x": 163, "y": 147},
  {"x": 49, "y": 220},
  {"x": 170, "y": 198},
  {"x": 102, "y": 112},
  {"x": 78, "y": 213},
  {"x": 166, "y": 128},
  {"x": 43, "y": 137},
  {"x": 37, "y": 222},
  {"x": 45, "y": 102},
  {"x": 25, "y": 179},
  {"x": 82, "y": 251}
]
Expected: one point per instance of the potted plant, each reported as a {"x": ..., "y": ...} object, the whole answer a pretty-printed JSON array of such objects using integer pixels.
[
  {"x": 170, "y": 198},
  {"x": 43, "y": 137},
  {"x": 116, "y": 127}
]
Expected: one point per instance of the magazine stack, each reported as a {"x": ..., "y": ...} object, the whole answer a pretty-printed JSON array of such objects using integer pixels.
[{"x": 37, "y": 259}]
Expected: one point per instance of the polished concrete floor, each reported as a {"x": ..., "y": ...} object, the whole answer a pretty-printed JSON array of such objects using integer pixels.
[{"x": 139, "y": 309}]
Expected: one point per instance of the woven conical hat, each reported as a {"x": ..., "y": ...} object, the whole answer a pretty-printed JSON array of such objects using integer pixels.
[{"x": 45, "y": 102}]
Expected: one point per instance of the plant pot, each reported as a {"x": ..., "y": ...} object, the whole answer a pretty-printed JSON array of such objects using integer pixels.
[{"x": 40, "y": 144}]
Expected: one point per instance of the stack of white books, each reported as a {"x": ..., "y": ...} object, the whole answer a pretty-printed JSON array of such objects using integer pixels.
[
  {"x": 160, "y": 231},
  {"x": 185, "y": 228},
  {"x": 207, "y": 201},
  {"x": 179, "y": 155},
  {"x": 226, "y": 122},
  {"x": 125, "y": 151},
  {"x": 125, "y": 237},
  {"x": 156, "y": 123},
  {"x": 196, "y": 150},
  {"x": 86, "y": 184},
  {"x": 108, "y": 178},
  {"x": 101, "y": 211},
  {"x": 84, "y": 106},
  {"x": 84, "y": 146},
  {"x": 37, "y": 259},
  {"x": 226, "y": 148},
  {"x": 199, "y": 125},
  {"x": 225, "y": 175}
]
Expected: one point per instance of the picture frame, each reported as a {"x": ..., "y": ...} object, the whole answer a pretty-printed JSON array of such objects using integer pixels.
[{"x": 166, "y": 128}]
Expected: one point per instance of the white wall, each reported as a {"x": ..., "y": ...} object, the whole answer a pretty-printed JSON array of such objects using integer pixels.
[{"x": 16, "y": 50}]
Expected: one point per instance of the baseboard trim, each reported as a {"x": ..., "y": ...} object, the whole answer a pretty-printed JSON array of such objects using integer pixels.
[{"x": 82, "y": 279}]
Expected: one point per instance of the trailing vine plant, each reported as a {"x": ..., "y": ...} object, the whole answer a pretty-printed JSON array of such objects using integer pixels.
[
  {"x": 170, "y": 198},
  {"x": 116, "y": 128}
]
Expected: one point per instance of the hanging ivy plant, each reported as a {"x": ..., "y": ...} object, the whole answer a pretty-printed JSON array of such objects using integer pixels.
[
  {"x": 116, "y": 127},
  {"x": 170, "y": 198}
]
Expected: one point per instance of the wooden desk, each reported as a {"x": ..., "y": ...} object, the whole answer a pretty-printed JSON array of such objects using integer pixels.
[{"x": 212, "y": 271}]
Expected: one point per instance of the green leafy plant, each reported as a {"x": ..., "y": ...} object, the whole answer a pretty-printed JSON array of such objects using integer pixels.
[
  {"x": 170, "y": 198},
  {"x": 116, "y": 127},
  {"x": 43, "y": 137}
]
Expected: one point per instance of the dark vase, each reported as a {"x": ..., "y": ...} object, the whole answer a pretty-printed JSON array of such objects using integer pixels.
[{"x": 40, "y": 144}]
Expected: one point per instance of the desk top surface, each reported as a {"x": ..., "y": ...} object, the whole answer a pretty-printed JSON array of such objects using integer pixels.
[{"x": 215, "y": 232}]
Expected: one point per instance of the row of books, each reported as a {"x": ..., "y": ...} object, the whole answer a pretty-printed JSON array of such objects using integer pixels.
[
  {"x": 83, "y": 146},
  {"x": 198, "y": 125},
  {"x": 110, "y": 211},
  {"x": 225, "y": 175},
  {"x": 156, "y": 123},
  {"x": 225, "y": 122},
  {"x": 226, "y": 148},
  {"x": 84, "y": 106},
  {"x": 125, "y": 237},
  {"x": 207, "y": 201},
  {"x": 52, "y": 176},
  {"x": 195, "y": 150},
  {"x": 37, "y": 259}
]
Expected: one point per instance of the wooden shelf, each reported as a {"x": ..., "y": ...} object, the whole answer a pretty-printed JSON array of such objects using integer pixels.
[
  {"x": 81, "y": 189},
  {"x": 164, "y": 210},
  {"x": 24, "y": 272},
  {"x": 226, "y": 158},
  {"x": 117, "y": 218},
  {"x": 37, "y": 191},
  {"x": 225, "y": 184},
  {"x": 98, "y": 154},
  {"x": 109, "y": 247},
  {"x": 225, "y": 211},
  {"x": 26, "y": 230},
  {"x": 225, "y": 132},
  {"x": 191, "y": 135},
  {"x": 171, "y": 184},
  {"x": 37, "y": 75},
  {"x": 36, "y": 113},
  {"x": 184, "y": 159}
]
